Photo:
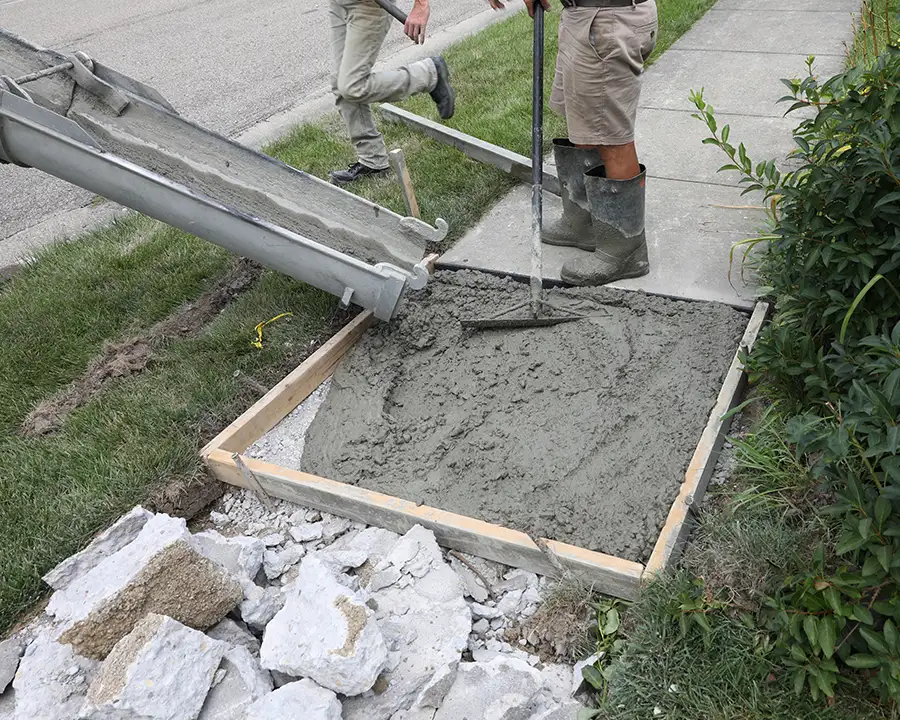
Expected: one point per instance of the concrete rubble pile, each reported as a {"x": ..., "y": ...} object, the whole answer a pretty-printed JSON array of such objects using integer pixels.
[{"x": 279, "y": 614}]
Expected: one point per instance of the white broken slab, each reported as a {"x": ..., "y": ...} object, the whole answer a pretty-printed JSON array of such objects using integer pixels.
[
  {"x": 11, "y": 651},
  {"x": 307, "y": 532},
  {"x": 8, "y": 705},
  {"x": 260, "y": 605},
  {"x": 325, "y": 632},
  {"x": 110, "y": 541},
  {"x": 303, "y": 700},
  {"x": 234, "y": 635},
  {"x": 245, "y": 681},
  {"x": 51, "y": 681},
  {"x": 161, "y": 571},
  {"x": 425, "y": 624},
  {"x": 161, "y": 670},
  {"x": 503, "y": 688},
  {"x": 240, "y": 555}
]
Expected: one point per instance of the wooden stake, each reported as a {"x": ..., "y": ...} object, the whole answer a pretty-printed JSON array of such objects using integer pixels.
[
  {"x": 253, "y": 482},
  {"x": 398, "y": 162}
]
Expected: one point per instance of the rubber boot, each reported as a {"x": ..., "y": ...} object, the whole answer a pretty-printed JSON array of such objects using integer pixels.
[
  {"x": 573, "y": 229},
  {"x": 617, "y": 212}
]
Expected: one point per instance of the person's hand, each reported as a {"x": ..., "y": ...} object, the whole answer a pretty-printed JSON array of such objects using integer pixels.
[
  {"x": 497, "y": 5},
  {"x": 530, "y": 4},
  {"x": 416, "y": 22}
]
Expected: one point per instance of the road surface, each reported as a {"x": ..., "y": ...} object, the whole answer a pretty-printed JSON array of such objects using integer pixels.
[{"x": 227, "y": 64}]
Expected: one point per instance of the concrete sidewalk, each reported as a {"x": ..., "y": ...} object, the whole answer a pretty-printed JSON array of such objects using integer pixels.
[{"x": 738, "y": 52}]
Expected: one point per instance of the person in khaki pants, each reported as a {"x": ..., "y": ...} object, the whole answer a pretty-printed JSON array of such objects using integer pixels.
[
  {"x": 358, "y": 29},
  {"x": 603, "y": 45}
]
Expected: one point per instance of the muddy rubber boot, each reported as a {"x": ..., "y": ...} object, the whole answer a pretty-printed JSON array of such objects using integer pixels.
[
  {"x": 617, "y": 212},
  {"x": 573, "y": 229}
]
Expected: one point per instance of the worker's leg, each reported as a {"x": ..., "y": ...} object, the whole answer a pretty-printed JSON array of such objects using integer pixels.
[
  {"x": 601, "y": 58},
  {"x": 358, "y": 29},
  {"x": 367, "y": 26}
]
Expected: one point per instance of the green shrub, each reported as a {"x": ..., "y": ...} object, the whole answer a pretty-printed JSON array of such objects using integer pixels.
[{"x": 832, "y": 355}]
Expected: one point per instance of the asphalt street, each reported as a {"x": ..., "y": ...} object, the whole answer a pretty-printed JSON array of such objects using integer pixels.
[{"x": 227, "y": 64}]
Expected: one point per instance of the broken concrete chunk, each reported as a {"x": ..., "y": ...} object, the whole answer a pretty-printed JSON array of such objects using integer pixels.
[
  {"x": 508, "y": 605},
  {"x": 245, "y": 681},
  {"x": 332, "y": 526},
  {"x": 385, "y": 577},
  {"x": 160, "y": 571},
  {"x": 10, "y": 652},
  {"x": 325, "y": 632},
  {"x": 339, "y": 561},
  {"x": 301, "y": 700},
  {"x": 307, "y": 533},
  {"x": 433, "y": 692},
  {"x": 503, "y": 688},
  {"x": 8, "y": 705},
  {"x": 426, "y": 625},
  {"x": 474, "y": 585},
  {"x": 566, "y": 711},
  {"x": 517, "y": 579},
  {"x": 51, "y": 681},
  {"x": 260, "y": 605},
  {"x": 275, "y": 563},
  {"x": 234, "y": 635},
  {"x": 110, "y": 541},
  {"x": 273, "y": 539},
  {"x": 374, "y": 542},
  {"x": 161, "y": 669},
  {"x": 484, "y": 611},
  {"x": 241, "y": 556}
]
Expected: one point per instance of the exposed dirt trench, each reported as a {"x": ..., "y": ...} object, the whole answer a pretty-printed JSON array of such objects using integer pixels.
[{"x": 132, "y": 356}]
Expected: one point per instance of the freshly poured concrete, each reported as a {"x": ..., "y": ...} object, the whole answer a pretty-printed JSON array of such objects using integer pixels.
[
  {"x": 738, "y": 53},
  {"x": 579, "y": 432}
]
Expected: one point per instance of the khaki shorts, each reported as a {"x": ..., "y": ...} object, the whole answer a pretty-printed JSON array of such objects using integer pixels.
[{"x": 601, "y": 58}]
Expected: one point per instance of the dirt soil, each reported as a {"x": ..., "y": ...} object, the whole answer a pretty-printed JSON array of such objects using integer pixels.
[
  {"x": 579, "y": 432},
  {"x": 131, "y": 356}
]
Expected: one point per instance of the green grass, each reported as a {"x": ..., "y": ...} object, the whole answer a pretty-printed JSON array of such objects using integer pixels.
[
  {"x": 876, "y": 22},
  {"x": 144, "y": 432}
]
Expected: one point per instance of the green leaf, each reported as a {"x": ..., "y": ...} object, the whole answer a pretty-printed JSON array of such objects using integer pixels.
[
  {"x": 856, "y": 301},
  {"x": 874, "y": 639},
  {"x": 593, "y": 677},
  {"x": 811, "y": 629},
  {"x": 889, "y": 198},
  {"x": 797, "y": 654},
  {"x": 863, "y": 614},
  {"x": 891, "y": 636},
  {"x": 883, "y": 553},
  {"x": 863, "y": 661},
  {"x": 865, "y": 527},
  {"x": 833, "y": 598},
  {"x": 799, "y": 680},
  {"x": 882, "y": 509},
  {"x": 703, "y": 622},
  {"x": 612, "y": 622},
  {"x": 827, "y": 636}
]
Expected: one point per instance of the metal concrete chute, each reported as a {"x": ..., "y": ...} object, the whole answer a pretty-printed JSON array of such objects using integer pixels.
[{"x": 119, "y": 138}]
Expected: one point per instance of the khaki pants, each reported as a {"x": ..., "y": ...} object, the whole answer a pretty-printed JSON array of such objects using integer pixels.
[
  {"x": 601, "y": 58},
  {"x": 358, "y": 28}
]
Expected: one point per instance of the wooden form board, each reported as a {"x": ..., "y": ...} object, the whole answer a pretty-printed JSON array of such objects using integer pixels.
[{"x": 608, "y": 574}]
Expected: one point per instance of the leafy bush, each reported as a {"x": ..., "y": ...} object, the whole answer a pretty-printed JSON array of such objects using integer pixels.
[{"x": 832, "y": 355}]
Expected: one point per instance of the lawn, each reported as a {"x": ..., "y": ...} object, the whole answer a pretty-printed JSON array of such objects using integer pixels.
[{"x": 140, "y": 435}]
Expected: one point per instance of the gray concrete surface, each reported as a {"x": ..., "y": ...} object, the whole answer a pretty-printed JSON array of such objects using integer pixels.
[
  {"x": 738, "y": 53},
  {"x": 228, "y": 64}
]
